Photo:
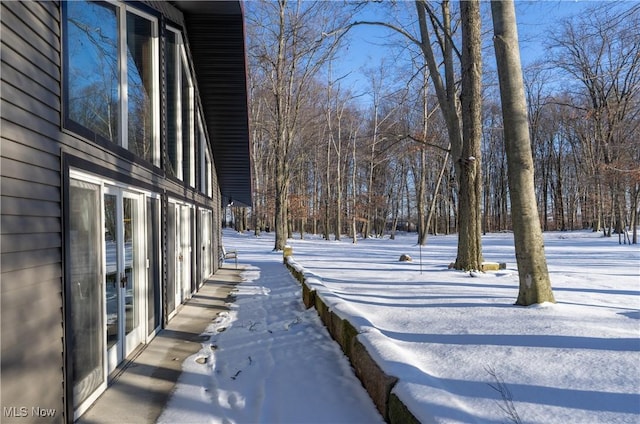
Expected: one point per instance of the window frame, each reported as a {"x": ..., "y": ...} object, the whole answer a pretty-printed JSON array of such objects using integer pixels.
[
  {"x": 183, "y": 147},
  {"x": 204, "y": 160},
  {"x": 189, "y": 144},
  {"x": 120, "y": 145},
  {"x": 177, "y": 84},
  {"x": 155, "y": 79}
]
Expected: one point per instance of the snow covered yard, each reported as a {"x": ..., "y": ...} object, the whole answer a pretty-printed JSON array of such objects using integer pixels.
[
  {"x": 450, "y": 338},
  {"x": 268, "y": 360}
]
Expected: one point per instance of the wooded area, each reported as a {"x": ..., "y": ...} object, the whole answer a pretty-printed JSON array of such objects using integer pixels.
[{"x": 331, "y": 160}]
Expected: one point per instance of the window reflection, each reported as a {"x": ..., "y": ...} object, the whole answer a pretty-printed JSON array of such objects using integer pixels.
[
  {"x": 187, "y": 125},
  {"x": 92, "y": 79},
  {"x": 95, "y": 85},
  {"x": 173, "y": 140},
  {"x": 131, "y": 247},
  {"x": 140, "y": 86},
  {"x": 111, "y": 267}
]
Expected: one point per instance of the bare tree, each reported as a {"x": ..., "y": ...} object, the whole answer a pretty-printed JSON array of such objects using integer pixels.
[
  {"x": 535, "y": 285},
  {"x": 290, "y": 46},
  {"x": 600, "y": 50},
  {"x": 439, "y": 26},
  {"x": 337, "y": 114}
]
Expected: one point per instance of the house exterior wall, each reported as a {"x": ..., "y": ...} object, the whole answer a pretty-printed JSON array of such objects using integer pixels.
[
  {"x": 39, "y": 156},
  {"x": 31, "y": 240}
]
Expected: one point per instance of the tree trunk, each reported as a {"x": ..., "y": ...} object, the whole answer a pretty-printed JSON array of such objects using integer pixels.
[
  {"x": 281, "y": 216},
  {"x": 434, "y": 199},
  {"x": 535, "y": 285},
  {"x": 421, "y": 170},
  {"x": 469, "y": 240},
  {"x": 327, "y": 231},
  {"x": 354, "y": 231},
  {"x": 281, "y": 169},
  {"x": 470, "y": 190}
]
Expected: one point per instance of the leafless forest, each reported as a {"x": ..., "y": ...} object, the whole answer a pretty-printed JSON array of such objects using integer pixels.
[{"x": 346, "y": 161}]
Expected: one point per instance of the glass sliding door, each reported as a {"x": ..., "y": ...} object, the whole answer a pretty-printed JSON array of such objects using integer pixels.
[
  {"x": 112, "y": 284},
  {"x": 133, "y": 268},
  {"x": 124, "y": 272},
  {"x": 187, "y": 228},
  {"x": 180, "y": 229},
  {"x": 206, "y": 235},
  {"x": 86, "y": 327},
  {"x": 154, "y": 308},
  {"x": 172, "y": 260},
  {"x": 179, "y": 276}
]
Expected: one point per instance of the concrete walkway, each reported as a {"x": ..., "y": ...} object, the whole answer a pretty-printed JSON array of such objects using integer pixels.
[{"x": 139, "y": 393}]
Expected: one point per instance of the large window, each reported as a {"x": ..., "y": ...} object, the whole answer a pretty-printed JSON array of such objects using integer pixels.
[
  {"x": 92, "y": 73},
  {"x": 111, "y": 89},
  {"x": 188, "y": 151},
  {"x": 180, "y": 111},
  {"x": 140, "y": 87},
  {"x": 111, "y": 76},
  {"x": 174, "y": 147},
  {"x": 205, "y": 167}
]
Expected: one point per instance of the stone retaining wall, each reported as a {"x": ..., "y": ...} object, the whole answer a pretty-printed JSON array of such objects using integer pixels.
[{"x": 378, "y": 384}]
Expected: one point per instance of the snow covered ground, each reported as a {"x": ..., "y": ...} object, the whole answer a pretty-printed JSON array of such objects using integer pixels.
[{"x": 450, "y": 338}]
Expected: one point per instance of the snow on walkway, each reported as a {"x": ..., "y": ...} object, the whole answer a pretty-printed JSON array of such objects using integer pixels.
[
  {"x": 268, "y": 361},
  {"x": 442, "y": 332}
]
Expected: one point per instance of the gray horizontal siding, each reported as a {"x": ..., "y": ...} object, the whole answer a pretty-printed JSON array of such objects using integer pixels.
[
  {"x": 25, "y": 242},
  {"x": 31, "y": 79},
  {"x": 24, "y": 39},
  {"x": 20, "y": 206},
  {"x": 21, "y": 127},
  {"x": 30, "y": 225},
  {"x": 43, "y": 104},
  {"x": 28, "y": 277},
  {"x": 28, "y": 189},
  {"x": 29, "y": 374},
  {"x": 26, "y": 171}
]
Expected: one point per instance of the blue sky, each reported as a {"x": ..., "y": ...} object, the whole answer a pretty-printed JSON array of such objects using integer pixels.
[{"x": 368, "y": 47}]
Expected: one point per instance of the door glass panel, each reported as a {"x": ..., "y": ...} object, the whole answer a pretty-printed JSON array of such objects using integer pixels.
[
  {"x": 185, "y": 250},
  {"x": 111, "y": 277},
  {"x": 85, "y": 287},
  {"x": 172, "y": 258},
  {"x": 206, "y": 244},
  {"x": 153, "y": 285},
  {"x": 179, "y": 255},
  {"x": 131, "y": 253}
]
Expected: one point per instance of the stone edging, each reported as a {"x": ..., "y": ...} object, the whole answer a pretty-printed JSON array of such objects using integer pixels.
[{"x": 376, "y": 382}]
